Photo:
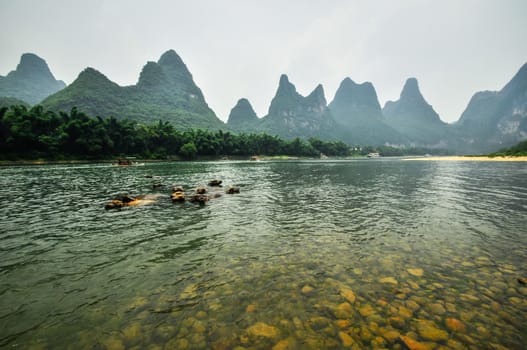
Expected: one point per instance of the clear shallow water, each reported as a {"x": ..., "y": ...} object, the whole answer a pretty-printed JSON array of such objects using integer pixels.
[{"x": 310, "y": 254}]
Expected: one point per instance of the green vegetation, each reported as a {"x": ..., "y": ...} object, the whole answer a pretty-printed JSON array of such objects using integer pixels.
[
  {"x": 515, "y": 151},
  {"x": 11, "y": 101},
  {"x": 42, "y": 134},
  {"x": 36, "y": 133},
  {"x": 31, "y": 82},
  {"x": 165, "y": 91}
]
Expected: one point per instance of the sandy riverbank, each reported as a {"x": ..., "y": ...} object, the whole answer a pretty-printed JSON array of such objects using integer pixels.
[{"x": 473, "y": 158}]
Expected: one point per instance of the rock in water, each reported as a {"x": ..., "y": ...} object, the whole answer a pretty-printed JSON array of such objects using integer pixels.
[
  {"x": 389, "y": 280},
  {"x": 346, "y": 339},
  {"x": 121, "y": 201},
  {"x": 177, "y": 197},
  {"x": 216, "y": 183},
  {"x": 177, "y": 194},
  {"x": 455, "y": 325},
  {"x": 261, "y": 329},
  {"x": 415, "y": 272},
  {"x": 199, "y": 198},
  {"x": 307, "y": 289},
  {"x": 412, "y": 344},
  {"x": 232, "y": 190},
  {"x": 348, "y": 294},
  {"x": 201, "y": 190},
  {"x": 428, "y": 330}
]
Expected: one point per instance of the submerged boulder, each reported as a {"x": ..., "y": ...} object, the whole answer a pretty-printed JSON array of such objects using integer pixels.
[
  {"x": 177, "y": 196},
  {"x": 201, "y": 190},
  {"x": 199, "y": 198},
  {"x": 232, "y": 190},
  {"x": 215, "y": 183},
  {"x": 127, "y": 201},
  {"x": 177, "y": 189},
  {"x": 120, "y": 201},
  {"x": 114, "y": 204}
]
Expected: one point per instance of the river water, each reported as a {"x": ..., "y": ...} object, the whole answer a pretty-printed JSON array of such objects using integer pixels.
[{"x": 329, "y": 254}]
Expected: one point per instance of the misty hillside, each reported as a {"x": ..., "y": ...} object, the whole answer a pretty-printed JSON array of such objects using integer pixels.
[
  {"x": 496, "y": 119},
  {"x": 357, "y": 110},
  {"x": 293, "y": 115},
  {"x": 165, "y": 91},
  {"x": 31, "y": 81}
]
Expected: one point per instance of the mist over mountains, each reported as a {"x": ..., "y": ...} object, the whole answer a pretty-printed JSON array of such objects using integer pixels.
[
  {"x": 166, "y": 91},
  {"x": 31, "y": 81}
]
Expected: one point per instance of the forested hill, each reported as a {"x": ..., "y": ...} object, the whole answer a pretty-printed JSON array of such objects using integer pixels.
[
  {"x": 31, "y": 81},
  {"x": 165, "y": 91}
]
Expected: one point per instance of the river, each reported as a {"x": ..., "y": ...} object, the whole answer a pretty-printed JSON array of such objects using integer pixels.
[{"x": 322, "y": 254}]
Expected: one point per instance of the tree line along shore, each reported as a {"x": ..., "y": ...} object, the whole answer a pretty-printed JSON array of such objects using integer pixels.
[{"x": 29, "y": 134}]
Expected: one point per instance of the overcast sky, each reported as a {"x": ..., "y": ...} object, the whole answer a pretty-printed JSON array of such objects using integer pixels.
[{"x": 239, "y": 48}]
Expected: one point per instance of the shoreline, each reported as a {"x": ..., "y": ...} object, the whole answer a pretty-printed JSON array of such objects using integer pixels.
[
  {"x": 472, "y": 158},
  {"x": 483, "y": 158}
]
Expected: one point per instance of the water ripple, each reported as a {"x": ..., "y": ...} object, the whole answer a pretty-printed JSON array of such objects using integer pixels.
[{"x": 66, "y": 258}]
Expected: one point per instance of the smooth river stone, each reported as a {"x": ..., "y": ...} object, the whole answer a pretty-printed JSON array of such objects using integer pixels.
[
  {"x": 286, "y": 344},
  {"x": 177, "y": 344},
  {"x": 429, "y": 330},
  {"x": 318, "y": 322},
  {"x": 199, "y": 327},
  {"x": 366, "y": 310},
  {"x": 412, "y": 344},
  {"x": 404, "y": 312},
  {"x": 412, "y": 305},
  {"x": 261, "y": 329},
  {"x": 415, "y": 272},
  {"x": 390, "y": 335},
  {"x": 114, "y": 343},
  {"x": 389, "y": 280},
  {"x": 348, "y": 294},
  {"x": 343, "y": 310},
  {"x": 343, "y": 324},
  {"x": 307, "y": 289},
  {"x": 437, "y": 309},
  {"x": 346, "y": 339},
  {"x": 455, "y": 325}
]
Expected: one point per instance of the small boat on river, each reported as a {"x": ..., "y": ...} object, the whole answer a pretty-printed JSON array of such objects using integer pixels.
[{"x": 127, "y": 162}]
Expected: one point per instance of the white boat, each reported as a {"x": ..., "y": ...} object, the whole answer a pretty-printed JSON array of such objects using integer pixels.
[{"x": 373, "y": 155}]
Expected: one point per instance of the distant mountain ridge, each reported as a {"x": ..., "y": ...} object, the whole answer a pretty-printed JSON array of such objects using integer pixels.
[
  {"x": 356, "y": 107},
  {"x": 165, "y": 91},
  {"x": 31, "y": 81},
  {"x": 415, "y": 118},
  {"x": 293, "y": 115},
  {"x": 243, "y": 117},
  {"x": 496, "y": 119}
]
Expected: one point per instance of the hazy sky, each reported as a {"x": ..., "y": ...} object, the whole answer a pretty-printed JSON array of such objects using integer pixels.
[{"x": 239, "y": 48}]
